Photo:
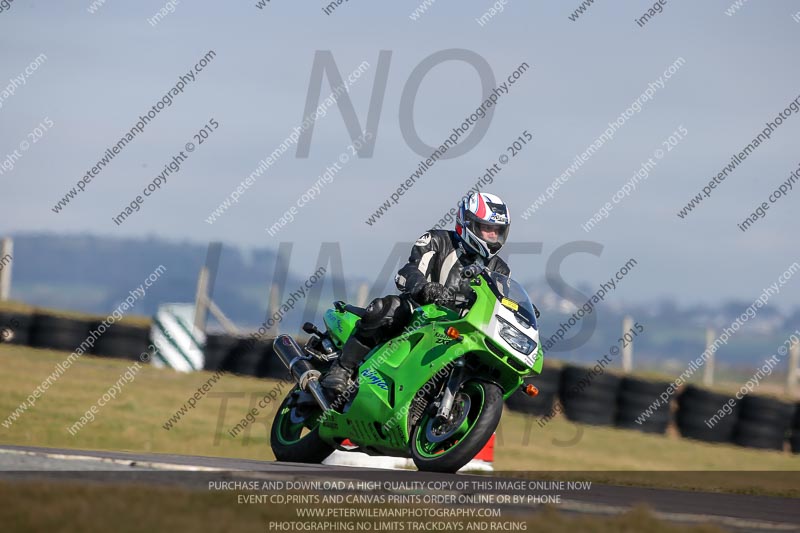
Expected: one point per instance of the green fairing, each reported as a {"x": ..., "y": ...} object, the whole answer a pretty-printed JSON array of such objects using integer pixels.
[{"x": 340, "y": 325}]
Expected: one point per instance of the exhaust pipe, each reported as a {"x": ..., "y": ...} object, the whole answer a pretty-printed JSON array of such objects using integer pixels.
[{"x": 303, "y": 372}]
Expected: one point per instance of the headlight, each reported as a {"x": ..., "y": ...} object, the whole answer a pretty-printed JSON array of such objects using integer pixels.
[{"x": 518, "y": 340}]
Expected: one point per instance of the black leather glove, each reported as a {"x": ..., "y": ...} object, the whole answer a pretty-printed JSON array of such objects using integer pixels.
[{"x": 431, "y": 292}]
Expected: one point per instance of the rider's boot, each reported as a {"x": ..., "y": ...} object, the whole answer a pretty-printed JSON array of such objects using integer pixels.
[{"x": 336, "y": 380}]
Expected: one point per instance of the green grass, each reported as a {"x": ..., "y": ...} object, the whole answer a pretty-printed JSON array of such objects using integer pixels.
[
  {"x": 16, "y": 307},
  {"x": 133, "y": 422}
]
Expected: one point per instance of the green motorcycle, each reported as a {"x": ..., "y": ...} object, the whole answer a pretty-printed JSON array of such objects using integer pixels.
[{"x": 435, "y": 393}]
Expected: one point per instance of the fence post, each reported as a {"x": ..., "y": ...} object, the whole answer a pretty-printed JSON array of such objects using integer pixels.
[
  {"x": 708, "y": 372},
  {"x": 274, "y": 304},
  {"x": 794, "y": 360},
  {"x": 361, "y": 299},
  {"x": 205, "y": 285},
  {"x": 6, "y": 259},
  {"x": 201, "y": 300},
  {"x": 627, "y": 349}
]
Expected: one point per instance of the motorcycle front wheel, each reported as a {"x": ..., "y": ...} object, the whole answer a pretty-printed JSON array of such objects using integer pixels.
[
  {"x": 446, "y": 446},
  {"x": 295, "y": 435}
]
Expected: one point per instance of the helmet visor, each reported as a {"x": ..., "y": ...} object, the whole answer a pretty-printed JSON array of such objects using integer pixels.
[{"x": 493, "y": 234}]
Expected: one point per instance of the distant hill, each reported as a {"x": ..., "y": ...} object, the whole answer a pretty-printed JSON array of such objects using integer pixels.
[{"x": 93, "y": 274}]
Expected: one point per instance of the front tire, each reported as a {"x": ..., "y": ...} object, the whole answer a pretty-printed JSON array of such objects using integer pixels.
[
  {"x": 294, "y": 437},
  {"x": 446, "y": 447}
]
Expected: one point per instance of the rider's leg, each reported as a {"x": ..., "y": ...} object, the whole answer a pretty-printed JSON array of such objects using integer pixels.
[
  {"x": 337, "y": 378},
  {"x": 384, "y": 318}
]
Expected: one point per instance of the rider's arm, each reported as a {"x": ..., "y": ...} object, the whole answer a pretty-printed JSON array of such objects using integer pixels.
[
  {"x": 414, "y": 275},
  {"x": 499, "y": 266}
]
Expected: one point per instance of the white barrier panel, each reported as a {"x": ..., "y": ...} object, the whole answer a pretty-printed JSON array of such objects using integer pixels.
[{"x": 178, "y": 344}]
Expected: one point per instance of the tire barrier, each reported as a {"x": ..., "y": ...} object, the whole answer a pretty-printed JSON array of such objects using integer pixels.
[
  {"x": 58, "y": 333},
  {"x": 249, "y": 358},
  {"x": 548, "y": 383},
  {"x": 217, "y": 348},
  {"x": 763, "y": 423},
  {"x": 15, "y": 328},
  {"x": 696, "y": 405},
  {"x": 122, "y": 340},
  {"x": 794, "y": 439},
  {"x": 589, "y": 396},
  {"x": 243, "y": 358},
  {"x": 635, "y": 398},
  {"x": 271, "y": 364}
]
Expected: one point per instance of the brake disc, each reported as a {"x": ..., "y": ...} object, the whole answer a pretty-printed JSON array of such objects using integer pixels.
[{"x": 436, "y": 431}]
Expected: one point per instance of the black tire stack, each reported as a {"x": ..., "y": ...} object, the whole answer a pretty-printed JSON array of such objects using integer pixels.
[
  {"x": 271, "y": 363},
  {"x": 218, "y": 347},
  {"x": 763, "y": 423},
  {"x": 548, "y": 383},
  {"x": 635, "y": 397},
  {"x": 122, "y": 340},
  {"x": 254, "y": 358},
  {"x": 243, "y": 358},
  {"x": 15, "y": 328},
  {"x": 57, "y": 332},
  {"x": 596, "y": 403},
  {"x": 695, "y": 406},
  {"x": 794, "y": 440}
]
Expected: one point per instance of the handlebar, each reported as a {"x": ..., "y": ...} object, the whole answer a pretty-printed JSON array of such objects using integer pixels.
[
  {"x": 456, "y": 300},
  {"x": 471, "y": 271}
]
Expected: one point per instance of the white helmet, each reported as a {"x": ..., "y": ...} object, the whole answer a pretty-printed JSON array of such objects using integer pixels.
[{"x": 483, "y": 223}]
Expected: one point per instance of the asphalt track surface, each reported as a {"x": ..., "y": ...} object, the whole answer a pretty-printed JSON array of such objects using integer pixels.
[{"x": 734, "y": 512}]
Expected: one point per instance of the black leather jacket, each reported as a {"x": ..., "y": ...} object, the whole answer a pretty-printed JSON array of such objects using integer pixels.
[{"x": 440, "y": 256}]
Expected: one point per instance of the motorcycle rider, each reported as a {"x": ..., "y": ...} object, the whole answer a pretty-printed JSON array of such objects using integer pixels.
[{"x": 432, "y": 274}]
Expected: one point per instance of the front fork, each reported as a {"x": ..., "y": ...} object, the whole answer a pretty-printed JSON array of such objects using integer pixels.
[{"x": 450, "y": 390}]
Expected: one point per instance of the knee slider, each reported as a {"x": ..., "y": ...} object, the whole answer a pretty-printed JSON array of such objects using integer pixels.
[
  {"x": 384, "y": 317},
  {"x": 375, "y": 311},
  {"x": 374, "y": 316}
]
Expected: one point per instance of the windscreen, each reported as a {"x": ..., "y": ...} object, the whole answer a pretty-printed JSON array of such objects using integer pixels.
[{"x": 506, "y": 287}]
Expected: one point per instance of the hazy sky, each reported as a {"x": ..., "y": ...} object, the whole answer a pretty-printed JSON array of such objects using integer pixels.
[{"x": 103, "y": 70}]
